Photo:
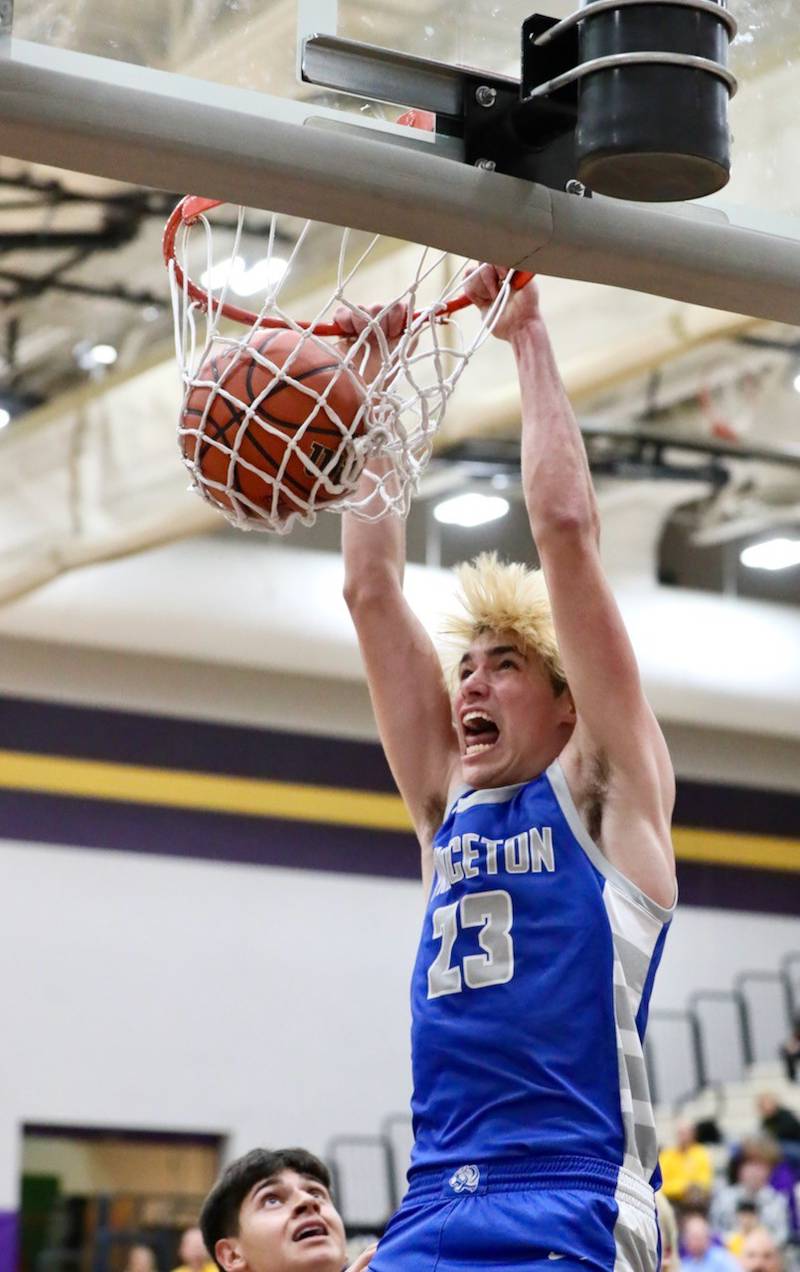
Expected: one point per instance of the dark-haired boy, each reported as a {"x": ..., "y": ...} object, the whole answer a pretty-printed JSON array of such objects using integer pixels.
[{"x": 271, "y": 1211}]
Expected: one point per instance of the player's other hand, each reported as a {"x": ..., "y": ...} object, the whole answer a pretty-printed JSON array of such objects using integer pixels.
[
  {"x": 363, "y": 1260},
  {"x": 353, "y": 322},
  {"x": 482, "y": 284}
]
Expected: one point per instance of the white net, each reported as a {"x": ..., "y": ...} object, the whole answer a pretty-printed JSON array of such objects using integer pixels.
[{"x": 283, "y": 418}]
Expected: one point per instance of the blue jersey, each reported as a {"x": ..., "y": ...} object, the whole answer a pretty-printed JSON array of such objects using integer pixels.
[{"x": 531, "y": 989}]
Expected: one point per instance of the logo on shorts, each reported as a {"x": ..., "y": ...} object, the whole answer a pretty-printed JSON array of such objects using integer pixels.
[{"x": 466, "y": 1179}]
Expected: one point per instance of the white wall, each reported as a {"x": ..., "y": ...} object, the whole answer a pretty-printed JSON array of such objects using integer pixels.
[
  {"x": 707, "y": 947},
  {"x": 146, "y": 992}
]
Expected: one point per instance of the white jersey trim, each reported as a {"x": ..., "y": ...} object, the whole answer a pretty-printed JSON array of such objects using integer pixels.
[
  {"x": 558, "y": 781},
  {"x": 469, "y": 798}
]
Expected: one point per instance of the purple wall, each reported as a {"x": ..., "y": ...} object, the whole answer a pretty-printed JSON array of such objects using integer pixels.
[
  {"x": 38, "y": 816},
  {"x": 8, "y": 1240}
]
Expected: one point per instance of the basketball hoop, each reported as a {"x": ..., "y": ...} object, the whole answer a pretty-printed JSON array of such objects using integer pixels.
[{"x": 279, "y": 421}]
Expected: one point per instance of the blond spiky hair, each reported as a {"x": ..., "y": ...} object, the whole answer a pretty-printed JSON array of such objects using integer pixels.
[{"x": 497, "y": 596}]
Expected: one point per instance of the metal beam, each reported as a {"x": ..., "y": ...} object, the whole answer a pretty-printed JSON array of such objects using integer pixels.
[
  {"x": 367, "y": 70},
  {"x": 167, "y": 131}
]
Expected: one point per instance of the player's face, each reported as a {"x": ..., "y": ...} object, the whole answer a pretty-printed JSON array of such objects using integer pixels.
[
  {"x": 286, "y": 1224},
  {"x": 509, "y": 721}
]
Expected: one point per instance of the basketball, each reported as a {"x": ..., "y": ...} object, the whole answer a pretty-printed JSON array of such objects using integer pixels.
[{"x": 266, "y": 422}]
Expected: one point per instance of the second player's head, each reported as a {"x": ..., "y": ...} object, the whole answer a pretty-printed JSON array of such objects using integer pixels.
[
  {"x": 272, "y": 1212},
  {"x": 512, "y": 708}
]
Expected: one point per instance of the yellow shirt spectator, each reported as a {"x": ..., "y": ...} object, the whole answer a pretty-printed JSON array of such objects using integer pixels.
[
  {"x": 686, "y": 1166},
  {"x": 193, "y": 1254}
]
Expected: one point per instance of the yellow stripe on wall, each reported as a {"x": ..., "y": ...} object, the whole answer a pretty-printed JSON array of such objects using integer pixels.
[
  {"x": 729, "y": 848},
  {"x": 211, "y": 792},
  {"x": 256, "y": 797}
]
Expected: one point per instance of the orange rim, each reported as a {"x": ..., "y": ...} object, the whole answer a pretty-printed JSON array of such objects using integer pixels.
[{"x": 192, "y": 207}]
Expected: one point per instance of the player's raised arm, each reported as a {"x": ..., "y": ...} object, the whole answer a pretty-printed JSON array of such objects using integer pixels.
[
  {"x": 406, "y": 683},
  {"x": 617, "y": 756}
]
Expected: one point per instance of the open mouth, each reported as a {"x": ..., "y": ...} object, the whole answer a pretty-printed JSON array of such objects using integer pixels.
[
  {"x": 480, "y": 733},
  {"x": 309, "y": 1231}
]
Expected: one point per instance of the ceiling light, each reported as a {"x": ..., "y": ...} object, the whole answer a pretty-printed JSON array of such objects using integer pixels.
[
  {"x": 5, "y": 417},
  {"x": 90, "y": 357},
  {"x": 470, "y": 510},
  {"x": 217, "y": 275},
  {"x": 103, "y": 355},
  {"x": 773, "y": 554},
  {"x": 796, "y": 382},
  {"x": 243, "y": 279}
]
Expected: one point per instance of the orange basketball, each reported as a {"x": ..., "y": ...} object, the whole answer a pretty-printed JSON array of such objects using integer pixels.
[{"x": 304, "y": 404}]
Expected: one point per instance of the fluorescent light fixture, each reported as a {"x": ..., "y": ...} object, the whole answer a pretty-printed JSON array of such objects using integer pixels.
[
  {"x": 796, "y": 382},
  {"x": 90, "y": 357},
  {"x": 217, "y": 276},
  {"x": 103, "y": 355},
  {"x": 773, "y": 554},
  {"x": 470, "y": 510},
  {"x": 5, "y": 417},
  {"x": 242, "y": 279}
]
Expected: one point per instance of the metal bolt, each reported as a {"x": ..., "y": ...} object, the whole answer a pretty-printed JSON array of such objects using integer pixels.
[
  {"x": 487, "y": 165},
  {"x": 576, "y": 187},
  {"x": 486, "y": 95}
]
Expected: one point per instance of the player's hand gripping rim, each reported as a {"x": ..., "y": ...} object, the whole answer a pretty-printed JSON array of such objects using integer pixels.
[{"x": 482, "y": 286}]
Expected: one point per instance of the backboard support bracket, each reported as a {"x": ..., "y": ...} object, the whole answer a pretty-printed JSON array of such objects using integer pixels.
[
  {"x": 501, "y": 127},
  {"x": 605, "y": 99}
]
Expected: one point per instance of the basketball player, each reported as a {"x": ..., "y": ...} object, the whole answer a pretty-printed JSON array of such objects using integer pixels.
[
  {"x": 271, "y": 1211},
  {"x": 541, "y": 791}
]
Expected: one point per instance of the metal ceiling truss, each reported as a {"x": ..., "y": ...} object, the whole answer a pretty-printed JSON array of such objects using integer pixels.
[
  {"x": 638, "y": 453},
  {"x": 125, "y": 215}
]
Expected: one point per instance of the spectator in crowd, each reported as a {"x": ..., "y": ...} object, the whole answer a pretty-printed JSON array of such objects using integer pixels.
[
  {"x": 193, "y": 1254},
  {"x": 668, "y": 1225},
  {"x": 746, "y": 1222},
  {"x": 790, "y": 1051},
  {"x": 701, "y": 1254},
  {"x": 752, "y": 1171},
  {"x": 272, "y": 1212},
  {"x": 141, "y": 1259},
  {"x": 781, "y": 1124},
  {"x": 760, "y": 1253},
  {"x": 687, "y": 1169}
]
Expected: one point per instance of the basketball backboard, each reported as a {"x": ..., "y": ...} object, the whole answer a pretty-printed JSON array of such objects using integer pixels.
[{"x": 204, "y": 95}]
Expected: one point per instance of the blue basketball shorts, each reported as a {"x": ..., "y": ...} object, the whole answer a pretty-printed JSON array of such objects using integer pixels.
[{"x": 523, "y": 1216}]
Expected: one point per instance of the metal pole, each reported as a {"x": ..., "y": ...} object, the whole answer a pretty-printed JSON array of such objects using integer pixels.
[
  {"x": 745, "y": 1030},
  {"x": 698, "y": 1049},
  {"x": 791, "y": 1000},
  {"x": 164, "y": 130}
]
